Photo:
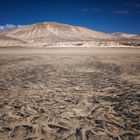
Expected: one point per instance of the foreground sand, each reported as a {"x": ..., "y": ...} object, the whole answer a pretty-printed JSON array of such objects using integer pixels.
[{"x": 69, "y": 94}]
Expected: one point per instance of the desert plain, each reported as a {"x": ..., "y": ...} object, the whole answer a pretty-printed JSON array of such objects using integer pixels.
[{"x": 69, "y": 94}]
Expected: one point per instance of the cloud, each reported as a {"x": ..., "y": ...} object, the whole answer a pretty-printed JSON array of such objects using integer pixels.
[
  {"x": 132, "y": 4},
  {"x": 85, "y": 10},
  {"x": 91, "y": 10},
  {"x": 122, "y": 12},
  {"x": 137, "y": 12},
  {"x": 95, "y": 9},
  {"x": 9, "y": 27},
  {"x": 137, "y": 5}
]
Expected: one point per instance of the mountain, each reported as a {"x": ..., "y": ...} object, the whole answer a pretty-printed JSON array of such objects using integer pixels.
[
  {"x": 9, "y": 41},
  {"x": 51, "y": 32},
  {"x": 136, "y": 37},
  {"x": 124, "y": 35}
]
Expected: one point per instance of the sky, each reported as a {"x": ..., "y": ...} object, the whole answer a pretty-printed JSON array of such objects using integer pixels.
[{"x": 101, "y": 15}]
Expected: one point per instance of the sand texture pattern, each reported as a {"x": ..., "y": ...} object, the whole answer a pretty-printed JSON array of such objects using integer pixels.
[{"x": 74, "y": 95}]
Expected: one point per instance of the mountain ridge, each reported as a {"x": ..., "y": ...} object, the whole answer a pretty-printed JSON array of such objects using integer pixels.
[{"x": 51, "y": 32}]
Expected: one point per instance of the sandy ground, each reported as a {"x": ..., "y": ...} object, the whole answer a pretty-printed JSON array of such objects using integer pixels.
[{"x": 70, "y": 94}]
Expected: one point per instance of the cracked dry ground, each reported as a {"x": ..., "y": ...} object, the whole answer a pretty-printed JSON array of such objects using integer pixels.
[{"x": 69, "y": 96}]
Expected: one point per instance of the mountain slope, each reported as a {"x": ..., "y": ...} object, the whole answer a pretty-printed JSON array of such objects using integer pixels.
[
  {"x": 124, "y": 35},
  {"x": 9, "y": 41},
  {"x": 137, "y": 37},
  {"x": 51, "y": 32}
]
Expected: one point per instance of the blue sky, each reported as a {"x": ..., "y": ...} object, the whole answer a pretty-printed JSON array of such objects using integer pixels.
[{"x": 100, "y": 15}]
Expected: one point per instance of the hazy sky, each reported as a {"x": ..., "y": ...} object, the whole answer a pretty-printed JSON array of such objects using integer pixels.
[{"x": 101, "y": 15}]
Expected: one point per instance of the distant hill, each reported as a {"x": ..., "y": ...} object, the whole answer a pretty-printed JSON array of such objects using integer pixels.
[{"x": 51, "y": 32}]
